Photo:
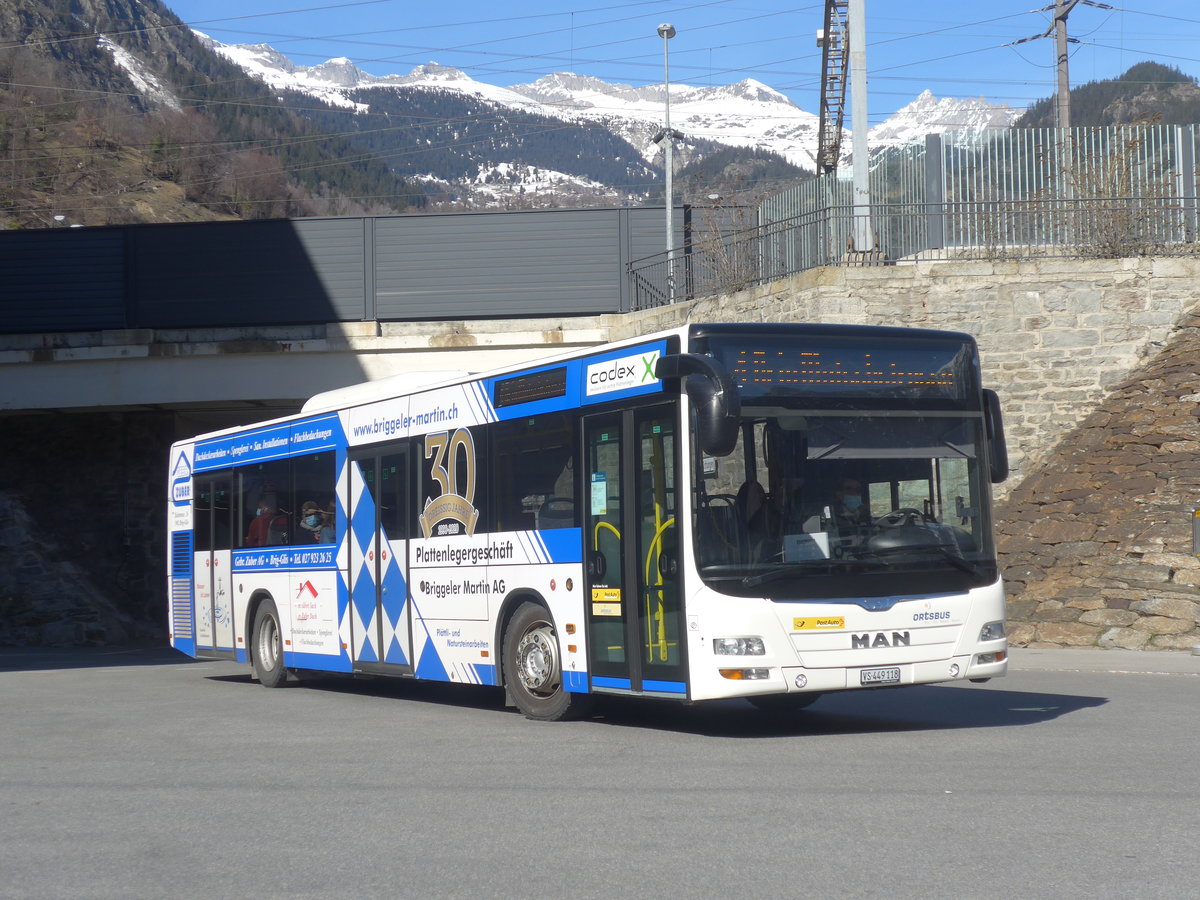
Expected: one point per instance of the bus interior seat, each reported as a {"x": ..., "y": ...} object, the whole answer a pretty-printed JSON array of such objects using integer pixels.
[
  {"x": 277, "y": 531},
  {"x": 751, "y": 505},
  {"x": 751, "y": 498},
  {"x": 555, "y": 512},
  {"x": 718, "y": 526}
]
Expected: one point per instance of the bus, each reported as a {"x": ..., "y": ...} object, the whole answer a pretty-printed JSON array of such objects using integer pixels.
[{"x": 769, "y": 512}]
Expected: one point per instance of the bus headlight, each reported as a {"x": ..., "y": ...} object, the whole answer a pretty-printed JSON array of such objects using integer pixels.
[
  {"x": 739, "y": 646},
  {"x": 992, "y": 631}
]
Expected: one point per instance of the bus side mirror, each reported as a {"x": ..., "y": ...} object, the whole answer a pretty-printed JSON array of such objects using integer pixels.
[
  {"x": 718, "y": 409},
  {"x": 997, "y": 446}
]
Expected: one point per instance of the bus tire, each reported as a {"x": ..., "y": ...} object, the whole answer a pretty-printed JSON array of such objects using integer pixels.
[
  {"x": 783, "y": 704},
  {"x": 267, "y": 646},
  {"x": 532, "y": 664}
]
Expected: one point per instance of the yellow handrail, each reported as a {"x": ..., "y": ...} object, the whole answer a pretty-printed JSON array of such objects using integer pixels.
[
  {"x": 657, "y": 615},
  {"x": 596, "y": 538}
]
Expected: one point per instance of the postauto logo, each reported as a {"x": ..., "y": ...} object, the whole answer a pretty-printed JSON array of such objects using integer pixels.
[{"x": 621, "y": 374}]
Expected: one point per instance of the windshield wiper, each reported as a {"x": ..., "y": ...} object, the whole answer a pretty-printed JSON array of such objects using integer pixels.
[
  {"x": 770, "y": 575},
  {"x": 954, "y": 559},
  {"x": 796, "y": 570},
  {"x": 961, "y": 563}
]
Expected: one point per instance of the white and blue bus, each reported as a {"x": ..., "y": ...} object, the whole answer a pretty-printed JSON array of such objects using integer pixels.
[{"x": 771, "y": 512}]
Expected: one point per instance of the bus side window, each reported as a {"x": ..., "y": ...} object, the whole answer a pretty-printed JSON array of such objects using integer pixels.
[
  {"x": 211, "y": 512},
  {"x": 314, "y": 480},
  {"x": 265, "y": 498},
  {"x": 535, "y": 468}
]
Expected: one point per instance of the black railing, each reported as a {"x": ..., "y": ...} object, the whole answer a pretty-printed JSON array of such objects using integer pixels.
[{"x": 714, "y": 264}]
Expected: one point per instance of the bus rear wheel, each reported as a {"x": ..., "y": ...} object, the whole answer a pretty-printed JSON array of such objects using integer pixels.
[
  {"x": 533, "y": 667},
  {"x": 267, "y": 645}
]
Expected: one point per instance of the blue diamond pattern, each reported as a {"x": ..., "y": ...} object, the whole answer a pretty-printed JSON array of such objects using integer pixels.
[
  {"x": 430, "y": 665},
  {"x": 367, "y": 653},
  {"x": 395, "y": 595},
  {"x": 395, "y": 654},
  {"x": 362, "y": 525},
  {"x": 362, "y": 575}
]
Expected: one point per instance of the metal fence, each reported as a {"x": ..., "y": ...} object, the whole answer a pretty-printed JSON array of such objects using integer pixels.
[
  {"x": 1013, "y": 230},
  {"x": 1019, "y": 194}
]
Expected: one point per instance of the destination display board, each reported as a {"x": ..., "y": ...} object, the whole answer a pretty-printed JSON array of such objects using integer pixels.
[{"x": 821, "y": 366}]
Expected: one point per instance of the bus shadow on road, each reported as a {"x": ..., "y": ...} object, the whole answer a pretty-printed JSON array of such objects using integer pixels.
[
  {"x": 917, "y": 708},
  {"x": 28, "y": 659},
  {"x": 466, "y": 696}
]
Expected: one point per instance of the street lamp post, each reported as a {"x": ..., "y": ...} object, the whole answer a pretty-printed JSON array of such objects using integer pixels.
[{"x": 667, "y": 31}]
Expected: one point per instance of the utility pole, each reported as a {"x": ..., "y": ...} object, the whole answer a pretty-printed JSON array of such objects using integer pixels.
[
  {"x": 859, "y": 124},
  {"x": 1062, "y": 9}
]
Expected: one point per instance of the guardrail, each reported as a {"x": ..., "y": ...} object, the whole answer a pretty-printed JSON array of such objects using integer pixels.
[{"x": 904, "y": 233}]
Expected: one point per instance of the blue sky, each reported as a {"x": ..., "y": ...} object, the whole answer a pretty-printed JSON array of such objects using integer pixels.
[{"x": 951, "y": 47}]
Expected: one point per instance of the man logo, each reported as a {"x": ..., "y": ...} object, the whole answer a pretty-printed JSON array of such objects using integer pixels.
[{"x": 871, "y": 642}]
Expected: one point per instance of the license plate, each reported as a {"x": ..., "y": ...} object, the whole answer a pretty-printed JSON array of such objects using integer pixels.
[{"x": 880, "y": 676}]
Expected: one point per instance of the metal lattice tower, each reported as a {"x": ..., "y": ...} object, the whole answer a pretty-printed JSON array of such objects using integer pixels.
[{"x": 834, "y": 42}]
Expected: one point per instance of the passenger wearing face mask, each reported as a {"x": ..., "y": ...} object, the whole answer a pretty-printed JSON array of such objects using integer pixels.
[
  {"x": 258, "y": 534},
  {"x": 326, "y": 534},
  {"x": 310, "y": 519},
  {"x": 850, "y": 509}
]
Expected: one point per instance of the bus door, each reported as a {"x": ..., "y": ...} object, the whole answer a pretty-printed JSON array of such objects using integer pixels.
[
  {"x": 212, "y": 522},
  {"x": 634, "y": 616},
  {"x": 380, "y": 621}
]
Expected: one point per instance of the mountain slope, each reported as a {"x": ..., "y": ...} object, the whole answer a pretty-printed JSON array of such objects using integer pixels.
[
  {"x": 929, "y": 115},
  {"x": 458, "y": 143},
  {"x": 1146, "y": 92},
  {"x": 561, "y": 140},
  {"x": 115, "y": 112},
  {"x": 753, "y": 120}
]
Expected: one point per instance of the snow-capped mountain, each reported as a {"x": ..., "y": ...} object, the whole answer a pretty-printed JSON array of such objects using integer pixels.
[
  {"x": 748, "y": 114},
  {"x": 929, "y": 115},
  {"x": 745, "y": 114}
]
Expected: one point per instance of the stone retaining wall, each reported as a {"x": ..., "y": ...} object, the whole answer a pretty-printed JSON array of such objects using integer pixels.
[{"x": 1097, "y": 544}]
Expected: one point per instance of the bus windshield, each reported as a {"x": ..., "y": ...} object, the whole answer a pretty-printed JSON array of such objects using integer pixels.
[{"x": 845, "y": 503}]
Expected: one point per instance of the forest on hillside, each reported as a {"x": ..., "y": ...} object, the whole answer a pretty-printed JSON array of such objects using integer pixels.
[
  {"x": 450, "y": 136},
  {"x": 1146, "y": 92},
  {"x": 79, "y": 140}
]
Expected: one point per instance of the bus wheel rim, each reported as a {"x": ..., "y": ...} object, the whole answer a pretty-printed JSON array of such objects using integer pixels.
[
  {"x": 268, "y": 644},
  {"x": 537, "y": 660}
]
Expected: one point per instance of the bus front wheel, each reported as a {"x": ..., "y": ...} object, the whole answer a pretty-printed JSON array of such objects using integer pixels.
[
  {"x": 533, "y": 667},
  {"x": 267, "y": 644},
  {"x": 783, "y": 704}
]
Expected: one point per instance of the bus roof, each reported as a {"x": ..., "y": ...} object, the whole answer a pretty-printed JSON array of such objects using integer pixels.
[{"x": 379, "y": 389}]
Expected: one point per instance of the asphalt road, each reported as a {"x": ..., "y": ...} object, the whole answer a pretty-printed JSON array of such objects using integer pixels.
[{"x": 138, "y": 774}]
